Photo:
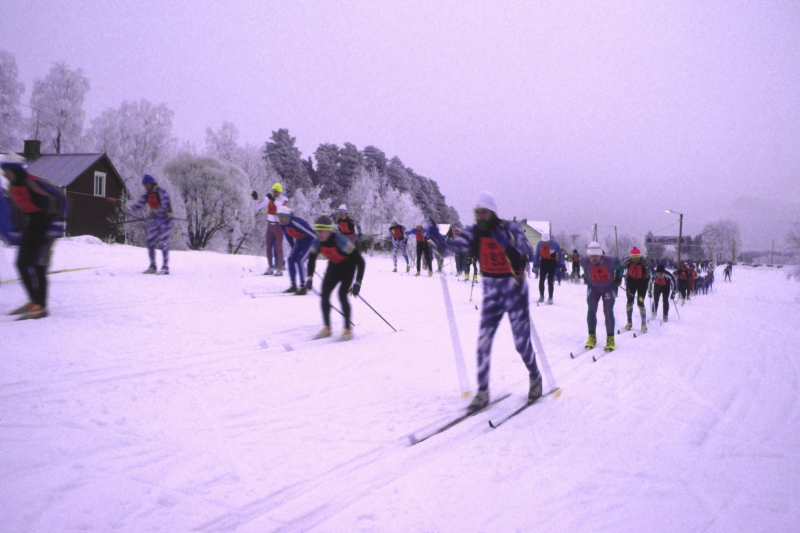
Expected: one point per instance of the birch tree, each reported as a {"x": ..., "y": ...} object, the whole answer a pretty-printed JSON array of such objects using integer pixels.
[
  {"x": 10, "y": 92},
  {"x": 58, "y": 115}
]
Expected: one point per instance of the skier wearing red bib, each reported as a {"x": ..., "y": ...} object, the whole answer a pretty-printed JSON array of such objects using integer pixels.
[
  {"x": 398, "y": 233},
  {"x": 503, "y": 250},
  {"x": 604, "y": 275},
  {"x": 300, "y": 236},
  {"x": 344, "y": 263},
  {"x": 547, "y": 259},
  {"x": 637, "y": 277},
  {"x": 660, "y": 287}
]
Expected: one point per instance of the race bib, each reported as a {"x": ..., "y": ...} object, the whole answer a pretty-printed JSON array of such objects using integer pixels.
[
  {"x": 493, "y": 258},
  {"x": 332, "y": 253},
  {"x": 635, "y": 271},
  {"x": 544, "y": 251},
  {"x": 397, "y": 234},
  {"x": 661, "y": 281},
  {"x": 599, "y": 274}
]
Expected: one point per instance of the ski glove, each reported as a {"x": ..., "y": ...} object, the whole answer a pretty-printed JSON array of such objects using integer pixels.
[
  {"x": 270, "y": 197},
  {"x": 255, "y": 195},
  {"x": 309, "y": 283},
  {"x": 355, "y": 289}
]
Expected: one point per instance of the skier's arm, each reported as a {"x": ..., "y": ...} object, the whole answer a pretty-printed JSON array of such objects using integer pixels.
[
  {"x": 462, "y": 243},
  {"x": 138, "y": 204},
  {"x": 257, "y": 206}
]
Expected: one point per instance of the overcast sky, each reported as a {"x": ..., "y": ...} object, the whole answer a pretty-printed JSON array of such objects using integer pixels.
[{"x": 574, "y": 112}]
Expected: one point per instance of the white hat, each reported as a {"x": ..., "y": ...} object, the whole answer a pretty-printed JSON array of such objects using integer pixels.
[
  {"x": 594, "y": 248},
  {"x": 284, "y": 210},
  {"x": 486, "y": 201},
  {"x": 545, "y": 237},
  {"x": 342, "y": 207}
]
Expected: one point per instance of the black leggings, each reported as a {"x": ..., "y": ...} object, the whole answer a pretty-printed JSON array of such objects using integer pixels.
[
  {"x": 422, "y": 247},
  {"x": 661, "y": 291},
  {"x": 342, "y": 273},
  {"x": 547, "y": 268},
  {"x": 34, "y": 259}
]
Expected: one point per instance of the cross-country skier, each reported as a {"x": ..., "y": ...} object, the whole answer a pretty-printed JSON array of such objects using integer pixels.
[
  {"x": 300, "y": 236},
  {"x": 726, "y": 273},
  {"x": 44, "y": 207},
  {"x": 637, "y": 277},
  {"x": 423, "y": 249},
  {"x": 344, "y": 263},
  {"x": 398, "y": 233},
  {"x": 503, "y": 250},
  {"x": 683, "y": 274},
  {"x": 576, "y": 265},
  {"x": 604, "y": 275},
  {"x": 157, "y": 208},
  {"x": 460, "y": 257},
  {"x": 547, "y": 259},
  {"x": 661, "y": 285},
  {"x": 274, "y": 233},
  {"x": 347, "y": 226},
  {"x": 472, "y": 260}
]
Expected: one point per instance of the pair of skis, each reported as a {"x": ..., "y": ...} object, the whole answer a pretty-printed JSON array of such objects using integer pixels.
[{"x": 414, "y": 439}]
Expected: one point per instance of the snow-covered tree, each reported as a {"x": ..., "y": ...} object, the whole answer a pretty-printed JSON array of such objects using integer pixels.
[
  {"x": 310, "y": 203},
  {"x": 217, "y": 199},
  {"x": 793, "y": 246},
  {"x": 10, "y": 115},
  {"x": 722, "y": 239},
  {"x": 58, "y": 115}
]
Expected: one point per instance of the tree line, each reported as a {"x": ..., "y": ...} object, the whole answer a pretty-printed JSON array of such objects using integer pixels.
[{"x": 213, "y": 184}]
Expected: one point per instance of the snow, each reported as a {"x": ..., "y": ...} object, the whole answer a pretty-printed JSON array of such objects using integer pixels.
[{"x": 195, "y": 401}]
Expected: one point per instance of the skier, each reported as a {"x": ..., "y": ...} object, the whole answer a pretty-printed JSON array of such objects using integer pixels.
[
  {"x": 159, "y": 213},
  {"x": 726, "y": 273},
  {"x": 660, "y": 287},
  {"x": 423, "y": 248},
  {"x": 274, "y": 233},
  {"x": 547, "y": 259},
  {"x": 503, "y": 249},
  {"x": 637, "y": 277},
  {"x": 300, "y": 236},
  {"x": 683, "y": 274},
  {"x": 576, "y": 265},
  {"x": 472, "y": 260},
  {"x": 344, "y": 262},
  {"x": 347, "y": 226},
  {"x": 44, "y": 207},
  {"x": 460, "y": 257},
  {"x": 398, "y": 233},
  {"x": 604, "y": 275}
]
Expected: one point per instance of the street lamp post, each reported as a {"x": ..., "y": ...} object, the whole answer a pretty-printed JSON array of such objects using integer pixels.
[{"x": 680, "y": 233}]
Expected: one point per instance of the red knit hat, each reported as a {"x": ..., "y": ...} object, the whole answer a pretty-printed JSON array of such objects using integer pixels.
[{"x": 636, "y": 252}]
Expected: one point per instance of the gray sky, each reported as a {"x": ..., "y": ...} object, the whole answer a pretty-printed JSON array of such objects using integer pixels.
[{"x": 575, "y": 112}]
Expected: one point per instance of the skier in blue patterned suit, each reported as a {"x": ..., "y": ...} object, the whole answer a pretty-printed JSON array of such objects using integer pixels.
[
  {"x": 300, "y": 236},
  {"x": 344, "y": 263},
  {"x": 604, "y": 276},
  {"x": 398, "y": 233},
  {"x": 503, "y": 250},
  {"x": 159, "y": 211}
]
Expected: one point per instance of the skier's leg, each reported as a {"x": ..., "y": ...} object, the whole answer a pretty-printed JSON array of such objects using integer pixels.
[
  {"x": 520, "y": 318},
  {"x": 641, "y": 292},
  {"x": 608, "y": 311},
  {"x": 551, "y": 274},
  {"x": 328, "y": 283},
  {"x": 420, "y": 249},
  {"x": 592, "y": 300},
  {"x": 395, "y": 246},
  {"x": 347, "y": 280},
  {"x": 164, "y": 230},
  {"x": 278, "y": 245},
  {"x": 629, "y": 306},
  {"x": 491, "y": 313},
  {"x": 270, "y": 242}
]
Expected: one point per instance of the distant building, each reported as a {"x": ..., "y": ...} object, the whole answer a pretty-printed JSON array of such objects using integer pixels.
[
  {"x": 93, "y": 187},
  {"x": 534, "y": 229}
]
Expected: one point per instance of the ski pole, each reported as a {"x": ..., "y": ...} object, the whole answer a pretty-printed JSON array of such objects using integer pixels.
[
  {"x": 374, "y": 311},
  {"x": 551, "y": 380},
  {"x": 472, "y": 288},
  {"x": 461, "y": 367},
  {"x": 315, "y": 291}
]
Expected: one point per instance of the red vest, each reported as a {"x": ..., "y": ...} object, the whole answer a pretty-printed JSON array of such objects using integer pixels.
[
  {"x": 599, "y": 274},
  {"x": 493, "y": 258},
  {"x": 635, "y": 271},
  {"x": 332, "y": 253}
]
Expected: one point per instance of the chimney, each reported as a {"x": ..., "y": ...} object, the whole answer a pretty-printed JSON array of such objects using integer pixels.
[{"x": 32, "y": 150}]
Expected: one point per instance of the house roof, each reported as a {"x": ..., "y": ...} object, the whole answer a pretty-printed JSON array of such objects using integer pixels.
[
  {"x": 62, "y": 169},
  {"x": 541, "y": 226}
]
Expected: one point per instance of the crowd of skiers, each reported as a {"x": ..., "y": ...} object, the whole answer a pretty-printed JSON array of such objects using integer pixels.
[{"x": 496, "y": 247}]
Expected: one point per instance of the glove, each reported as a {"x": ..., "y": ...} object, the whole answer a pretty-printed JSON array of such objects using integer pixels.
[
  {"x": 254, "y": 195},
  {"x": 56, "y": 229},
  {"x": 269, "y": 195},
  {"x": 355, "y": 289},
  {"x": 309, "y": 283}
]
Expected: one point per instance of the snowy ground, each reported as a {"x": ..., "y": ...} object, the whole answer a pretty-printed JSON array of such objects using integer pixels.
[{"x": 195, "y": 402}]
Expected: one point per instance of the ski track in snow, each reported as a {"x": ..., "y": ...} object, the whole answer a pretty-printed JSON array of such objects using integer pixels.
[{"x": 197, "y": 402}]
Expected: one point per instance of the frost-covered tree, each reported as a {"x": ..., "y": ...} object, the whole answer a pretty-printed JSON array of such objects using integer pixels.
[
  {"x": 793, "y": 246},
  {"x": 223, "y": 144},
  {"x": 137, "y": 138},
  {"x": 57, "y": 101},
  {"x": 327, "y": 158},
  {"x": 722, "y": 239},
  {"x": 310, "y": 203},
  {"x": 10, "y": 92},
  {"x": 217, "y": 199},
  {"x": 398, "y": 175},
  {"x": 375, "y": 160},
  {"x": 287, "y": 160},
  {"x": 349, "y": 166}
]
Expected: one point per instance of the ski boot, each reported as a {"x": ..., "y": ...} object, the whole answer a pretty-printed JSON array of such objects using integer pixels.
[
  {"x": 610, "y": 345},
  {"x": 666, "y": 318},
  {"x": 164, "y": 271},
  {"x": 430, "y": 273},
  {"x": 644, "y": 328},
  {"x": 592, "y": 342},
  {"x": 395, "y": 269},
  {"x": 24, "y": 308},
  {"x": 278, "y": 272},
  {"x": 629, "y": 326},
  {"x": 35, "y": 312},
  {"x": 347, "y": 334},
  {"x": 150, "y": 270},
  {"x": 466, "y": 276},
  {"x": 323, "y": 333},
  {"x": 535, "y": 389},
  {"x": 549, "y": 301},
  {"x": 417, "y": 274},
  {"x": 474, "y": 278},
  {"x": 540, "y": 300},
  {"x": 270, "y": 271},
  {"x": 480, "y": 401},
  {"x": 290, "y": 290},
  {"x": 302, "y": 291},
  {"x": 408, "y": 269}
]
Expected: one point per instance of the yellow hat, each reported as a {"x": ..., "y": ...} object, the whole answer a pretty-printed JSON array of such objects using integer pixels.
[{"x": 277, "y": 187}]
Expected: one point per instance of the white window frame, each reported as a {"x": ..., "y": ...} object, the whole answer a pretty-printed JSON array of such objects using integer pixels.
[{"x": 99, "y": 183}]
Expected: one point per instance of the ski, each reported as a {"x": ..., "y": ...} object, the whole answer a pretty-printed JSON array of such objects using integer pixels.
[
  {"x": 582, "y": 351},
  {"x": 596, "y": 357},
  {"x": 639, "y": 334},
  {"x": 413, "y": 439},
  {"x": 493, "y": 425}
]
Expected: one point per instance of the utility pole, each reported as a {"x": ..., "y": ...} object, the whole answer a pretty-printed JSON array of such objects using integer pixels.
[
  {"x": 773, "y": 252},
  {"x": 616, "y": 240},
  {"x": 680, "y": 233}
]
